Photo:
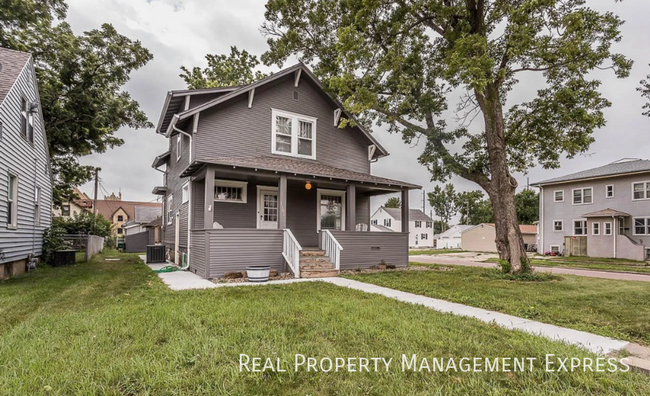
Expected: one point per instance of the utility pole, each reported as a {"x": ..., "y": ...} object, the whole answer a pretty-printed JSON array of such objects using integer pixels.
[
  {"x": 95, "y": 198},
  {"x": 424, "y": 202}
]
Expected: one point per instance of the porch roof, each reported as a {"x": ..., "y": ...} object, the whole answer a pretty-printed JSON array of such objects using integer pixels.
[
  {"x": 606, "y": 213},
  {"x": 297, "y": 167},
  {"x": 161, "y": 159}
]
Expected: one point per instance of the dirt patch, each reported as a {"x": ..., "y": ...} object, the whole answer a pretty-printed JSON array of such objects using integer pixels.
[
  {"x": 409, "y": 268},
  {"x": 280, "y": 276}
]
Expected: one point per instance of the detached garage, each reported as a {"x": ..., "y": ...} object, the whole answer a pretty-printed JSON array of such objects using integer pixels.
[{"x": 481, "y": 238}]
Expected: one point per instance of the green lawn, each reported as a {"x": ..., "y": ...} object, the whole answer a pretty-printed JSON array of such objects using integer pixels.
[
  {"x": 433, "y": 251},
  {"x": 611, "y": 308},
  {"x": 112, "y": 328},
  {"x": 592, "y": 263}
]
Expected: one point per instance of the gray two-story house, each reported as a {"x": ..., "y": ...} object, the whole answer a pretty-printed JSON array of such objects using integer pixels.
[
  {"x": 599, "y": 212},
  {"x": 262, "y": 174},
  {"x": 25, "y": 175}
]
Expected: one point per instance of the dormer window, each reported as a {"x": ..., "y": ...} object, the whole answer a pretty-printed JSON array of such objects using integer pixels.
[{"x": 293, "y": 134}]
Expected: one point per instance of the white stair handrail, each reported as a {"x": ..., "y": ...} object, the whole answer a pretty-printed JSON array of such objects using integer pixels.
[
  {"x": 291, "y": 252},
  {"x": 332, "y": 248}
]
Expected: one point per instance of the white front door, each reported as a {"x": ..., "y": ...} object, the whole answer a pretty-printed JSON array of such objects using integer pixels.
[{"x": 267, "y": 208}]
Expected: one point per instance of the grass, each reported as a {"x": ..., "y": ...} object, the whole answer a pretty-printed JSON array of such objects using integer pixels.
[
  {"x": 592, "y": 263},
  {"x": 112, "y": 328},
  {"x": 607, "y": 307},
  {"x": 418, "y": 252}
]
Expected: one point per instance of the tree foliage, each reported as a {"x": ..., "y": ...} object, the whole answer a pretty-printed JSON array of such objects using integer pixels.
[
  {"x": 238, "y": 68},
  {"x": 645, "y": 93},
  {"x": 527, "y": 202},
  {"x": 393, "y": 202},
  {"x": 85, "y": 223},
  {"x": 399, "y": 62},
  {"x": 443, "y": 202},
  {"x": 475, "y": 209},
  {"x": 81, "y": 80}
]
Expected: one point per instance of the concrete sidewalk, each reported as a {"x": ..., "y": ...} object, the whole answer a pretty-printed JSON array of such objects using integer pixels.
[{"x": 437, "y": 259}]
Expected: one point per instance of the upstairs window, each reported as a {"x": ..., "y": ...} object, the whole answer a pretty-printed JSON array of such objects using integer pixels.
[
  {"x": 429, "y": 224},
  {"x": 609, "y": 191},
  {"x": 418, "y": 224},
  {"x": 12, "y": 202},
  {"x": 65, "y": 210},
  {"x": 179, "y": 146},
  {"x": 559, "y": 196},
  {"x": 26, "y": 121},
  {"x": 120, "y": 218},
  {"x": 37, "y": 206},
  {"x": 186, "y": 193},
  {"x": 170, "y": 215},
  {"x": 373, "y": 222},
  {"x": 583, "y": 196},
  {"x": 294, "y": 135},
  {"x": 641, "y": 190},
  {"x": 387, "y": 222}
]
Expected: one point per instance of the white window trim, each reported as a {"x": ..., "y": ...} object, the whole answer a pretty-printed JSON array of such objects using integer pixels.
[
  {"x": 550, "y": 248},
  {"x": 260, "y": 191},
  {"x": 232, "y": 183},
  {"x": 168, "y": 209},
  {"x": 645, "y": 189},
  {"x": 613, "y": 191},
  {"x": 561, "y": 224},
  {"x": 185, "y": 193},
  {"x": 340, "y": 193},
  {"x": 418, "y": 224},
  {"x": 555, "y": 197},
  {"x": 573, "y": 227},
  {"x": 646, "y": 218},
  {"x": 12, "y": 223},
  {"x": 429, "y": 224},
  {"x": 605, "y": 224},
  {"x": 37, "y": 206},
  {"x": 593, "y": 228},
  {"x": 582, "y": 197},
  {"x": 294, "y": 133},
  {"x": 179, "y": 147},
  {"x": 390, "y": 221}
]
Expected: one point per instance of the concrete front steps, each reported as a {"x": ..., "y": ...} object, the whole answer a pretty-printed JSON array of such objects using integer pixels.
[{"x": 314, "y": 264}]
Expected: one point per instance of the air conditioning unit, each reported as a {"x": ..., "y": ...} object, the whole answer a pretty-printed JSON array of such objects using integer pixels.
[{"x": 156, "y": 254}]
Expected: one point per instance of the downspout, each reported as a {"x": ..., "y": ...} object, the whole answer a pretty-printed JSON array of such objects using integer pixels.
[
  {"x": 614, "y": 233},
  {"x": 541, "y": 222}
]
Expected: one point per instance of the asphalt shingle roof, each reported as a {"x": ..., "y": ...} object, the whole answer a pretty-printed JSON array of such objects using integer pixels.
[
  {"x": 11, "y": 64},
  {"x": 107, "y": 208},
  {"x": 414, "y": 214},
  {"x": 297, "y": 166},
  {"x": 620, "y": 167}
]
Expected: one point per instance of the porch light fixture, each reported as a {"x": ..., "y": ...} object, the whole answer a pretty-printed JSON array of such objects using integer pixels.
[{"x": 307, "y": 186}]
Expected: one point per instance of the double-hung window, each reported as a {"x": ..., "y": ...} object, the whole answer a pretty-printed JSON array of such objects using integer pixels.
[
  {"x": 595, "y": 228},
  {"x": 583, "y": 196},
  {"x": 424, "y": 236},
  {"x": 641, "y": 190},
  {"x": 429, "y": 224},
  {"x": 387, "y": 222},
  {"x": 418, "y": 224},
  {"x": 179, "y": 147},
  {"x": 580, "y": 227},
  {"x": 641, "y": 226},
  {"x": 558, "y": 225},
  {"x": 558, "y": 196},
  {"x": 293, "y": 134},
  {"x": 170, "y": 215},
  {"x": 609, "y": 191},
  {"x": 607, "y": 228},
  {"x": 12, "y": 202},
  {"x": 37, "y": 206},
  {"x": 186, "y": 192},
  {"x": 65, "y": 210}
]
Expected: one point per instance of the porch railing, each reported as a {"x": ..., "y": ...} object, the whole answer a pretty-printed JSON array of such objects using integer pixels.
[
  {"x": 291, "y": 252},
  {"x": 332, "y": 248}
]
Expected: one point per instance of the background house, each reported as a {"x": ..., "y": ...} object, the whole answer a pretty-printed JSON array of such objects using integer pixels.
[
  {"x": 74, "y": 207},
  {"x": 420, "y": 225},
  {"x": 598, "y": 212},
  {"x": 481, "y": 238},
  {"x": 120, "y": 212},
  {"x": 451, "y": 238},
  {"x": 25, "y": 173}
]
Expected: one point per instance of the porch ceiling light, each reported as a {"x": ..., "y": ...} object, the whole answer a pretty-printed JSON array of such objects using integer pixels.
[{"x": 307, "y": 185}]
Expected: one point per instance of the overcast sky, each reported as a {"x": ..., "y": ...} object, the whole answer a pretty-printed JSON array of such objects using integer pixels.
[{"x": 182, "y": 32}]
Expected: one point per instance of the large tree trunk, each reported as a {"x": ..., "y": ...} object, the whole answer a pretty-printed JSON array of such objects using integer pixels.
[{"x": 502, "y": 185}]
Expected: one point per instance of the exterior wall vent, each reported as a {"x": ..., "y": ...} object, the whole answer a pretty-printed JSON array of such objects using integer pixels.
[{"x": 295, "y": 95}]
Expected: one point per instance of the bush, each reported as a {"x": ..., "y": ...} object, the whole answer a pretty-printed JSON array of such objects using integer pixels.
[
  {"x": 53, "y": 241},
  {"x": 530, "y": 276},
  {"x": 84, "y": 223}
]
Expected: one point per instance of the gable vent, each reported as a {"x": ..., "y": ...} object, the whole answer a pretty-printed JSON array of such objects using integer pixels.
[{"x": 295, "y": 95}]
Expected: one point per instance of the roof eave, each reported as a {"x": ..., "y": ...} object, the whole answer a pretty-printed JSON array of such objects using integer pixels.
[{"x": 164, "y": 111}]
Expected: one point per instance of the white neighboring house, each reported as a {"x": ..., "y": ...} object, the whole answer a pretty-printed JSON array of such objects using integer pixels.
[
  {"x": 420, "y": 225},
  {"x": 451, "y": 239}
]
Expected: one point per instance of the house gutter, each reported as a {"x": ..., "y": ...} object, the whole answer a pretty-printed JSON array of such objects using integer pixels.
[
  {"x": 614, "y": 230},
  {"x": 189, "y": 190}
]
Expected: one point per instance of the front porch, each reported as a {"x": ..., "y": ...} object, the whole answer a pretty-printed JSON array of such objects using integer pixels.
[{"x": 310, "y": 225}]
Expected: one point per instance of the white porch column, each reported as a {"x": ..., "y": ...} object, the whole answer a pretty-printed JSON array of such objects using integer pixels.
[
  {"x": 282, "y": 202},
  {"x": 208, "y": 215},
  {"x": 405, "y": 211},
  {"x": 351, "y": 208}
]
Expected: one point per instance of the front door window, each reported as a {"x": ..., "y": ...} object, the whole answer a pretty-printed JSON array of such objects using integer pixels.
[
  {"x": 268, "y": 209},
  {"x": 331, "y": 212}
]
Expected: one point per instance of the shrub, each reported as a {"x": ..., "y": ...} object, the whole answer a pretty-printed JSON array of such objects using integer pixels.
[
  {"x": 53, "y": 241},
  {"x": 531, "y": 276},
  {"x": 85, "y": 223}
]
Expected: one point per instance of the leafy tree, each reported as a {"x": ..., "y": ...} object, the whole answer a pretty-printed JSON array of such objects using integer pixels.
[
  {"x": 84, "y": 223},
  {"x": 474, "y": 208},
  {"x": 80, "y": 81},
  {"x": 645, "y": 92},
  {"x": 393, "y": 202},
  {"x": 527, "y": 202},
  {"x": 443, "y": 202},
  {"x": 224, "y": 71},
  {"x": 398, "y": 62},
  {"x": 439, "y": 227}
]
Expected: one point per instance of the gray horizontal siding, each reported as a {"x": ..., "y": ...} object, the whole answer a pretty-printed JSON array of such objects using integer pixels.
[
  {"x": 137, "y": 243},
  {"x": 360, "y": 248},
  {"x": 174, "y": 185},
  {"x": 236, "y": 249},
  {"x": 198, "y": 204},
  {"x": 30, "y": 163},
  {"x": 198, "y": 255},
  {"x": 232, "y": 129}
]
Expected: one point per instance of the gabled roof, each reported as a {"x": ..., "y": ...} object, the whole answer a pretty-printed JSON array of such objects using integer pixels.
[
  {"x": 606, "y": 213},
  {"x": 146, "y": 214},
  {"x": 304, "y": 70},
  {"x": 381, "y": 228},
  {"x": 454, "y": 231},
  {"x": 414, "y": 214},
  {"x": 12, "y": 64},
  {"x": 298, "y": 167},
  {"x": 107, "y": 208},
  {"x": 617, "y": 168}
]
